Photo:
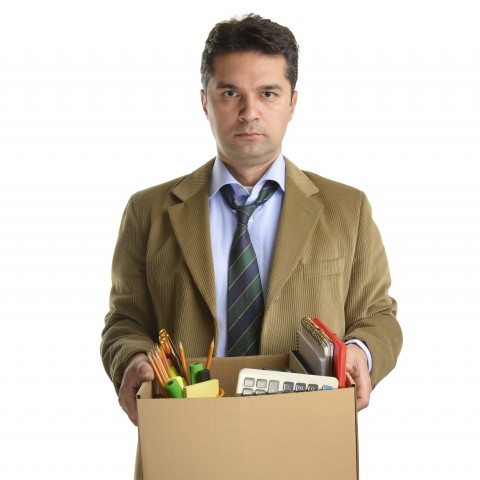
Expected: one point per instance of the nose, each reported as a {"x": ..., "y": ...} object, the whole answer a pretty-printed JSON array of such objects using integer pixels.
[{"x": 249, "y": 109}]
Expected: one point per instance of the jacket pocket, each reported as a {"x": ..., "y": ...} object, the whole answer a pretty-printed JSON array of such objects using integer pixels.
[{"x": 324, "y": 268}]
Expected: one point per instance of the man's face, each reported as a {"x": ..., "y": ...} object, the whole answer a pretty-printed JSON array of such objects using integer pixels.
[{"x": 248, "y": 103}]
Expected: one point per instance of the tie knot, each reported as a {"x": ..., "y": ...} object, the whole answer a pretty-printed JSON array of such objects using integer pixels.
[{"x": 244, "y": 212}]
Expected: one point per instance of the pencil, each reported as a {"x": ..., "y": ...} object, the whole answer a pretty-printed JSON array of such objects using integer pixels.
[
  {"x": 210, "y": 354},
  {"x": 158, "y": 376},
  {"x": 181, "y": 351},
  {"x": 164, "y": 360},
  {"x": 156, "y": 361},
  {"x": 163, "y": 367}
]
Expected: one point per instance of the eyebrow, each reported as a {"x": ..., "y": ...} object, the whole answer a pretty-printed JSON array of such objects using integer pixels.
[
  {"x": 231, "y": 86},
  {"x": 222, "y": 85}
]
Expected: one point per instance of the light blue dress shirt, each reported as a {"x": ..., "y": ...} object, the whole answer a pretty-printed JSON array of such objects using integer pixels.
[{"x": 262, "y": 228}]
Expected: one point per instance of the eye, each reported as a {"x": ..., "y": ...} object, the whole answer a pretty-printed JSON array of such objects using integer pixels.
[
  {"x": 230, "y": 93},
  {"x": 269, "y": 95}
]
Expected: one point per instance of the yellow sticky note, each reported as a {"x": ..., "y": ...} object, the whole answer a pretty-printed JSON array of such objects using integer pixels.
[{"x": 206, "y": 389}]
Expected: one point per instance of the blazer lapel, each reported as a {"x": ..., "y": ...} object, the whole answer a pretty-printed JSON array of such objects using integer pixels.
[
  {"x": 300, "y": 213},
  {"x": 191, "y": 224}
]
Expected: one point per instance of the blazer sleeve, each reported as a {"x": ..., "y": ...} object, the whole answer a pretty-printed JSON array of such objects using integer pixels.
[
  {"x": 129, "y": 325},
  {"x": 370, "y": 312}
]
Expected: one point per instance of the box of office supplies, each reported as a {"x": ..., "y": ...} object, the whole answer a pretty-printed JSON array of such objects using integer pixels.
[{"x": 308, "y": 435}]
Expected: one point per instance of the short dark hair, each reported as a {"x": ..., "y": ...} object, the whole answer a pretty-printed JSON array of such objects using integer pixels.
[{"x": 250, "y": 33}]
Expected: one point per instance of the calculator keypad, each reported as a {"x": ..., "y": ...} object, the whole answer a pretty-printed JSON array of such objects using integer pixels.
[
  {"x": 254, "y": 381},
  {"x": 273, "y": 386},
  {"x": 262, "y": 386}
]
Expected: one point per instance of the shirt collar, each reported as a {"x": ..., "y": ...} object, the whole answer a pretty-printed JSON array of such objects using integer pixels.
[{"x": 221, "y": 176}]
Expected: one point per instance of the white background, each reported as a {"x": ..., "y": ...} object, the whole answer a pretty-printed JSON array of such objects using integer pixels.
[{"x": 99, "y": 99}]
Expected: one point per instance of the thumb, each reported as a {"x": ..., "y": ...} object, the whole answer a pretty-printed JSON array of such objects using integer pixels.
[{"x": 145, "y": 371}]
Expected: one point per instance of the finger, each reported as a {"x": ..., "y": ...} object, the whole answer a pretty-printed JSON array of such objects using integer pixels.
[
  {"x": 363, "y": 396},
  {"x": 128, "y": 402},
  {"x": 129, "y": 409},
  {"x": 134, "y": 376},
  {"x": 145, "y": 372},
  {"x": 364, "y": 389}
]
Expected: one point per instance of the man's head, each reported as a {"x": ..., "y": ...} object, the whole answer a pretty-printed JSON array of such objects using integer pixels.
[
  {"x": 251, "y": 33},
  {"x": 249, "y": 71}
]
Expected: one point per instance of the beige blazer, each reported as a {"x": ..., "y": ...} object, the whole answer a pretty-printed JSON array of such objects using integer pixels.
[{"x": 328, "y": 262}]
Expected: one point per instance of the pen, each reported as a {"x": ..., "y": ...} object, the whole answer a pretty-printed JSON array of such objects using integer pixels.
[{"x": 167, "y": 346}]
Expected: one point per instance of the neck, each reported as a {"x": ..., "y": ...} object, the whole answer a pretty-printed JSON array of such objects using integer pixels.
[{"x": 248, "y": 176}]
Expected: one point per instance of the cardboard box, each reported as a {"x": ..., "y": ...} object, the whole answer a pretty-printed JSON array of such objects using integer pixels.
[{"x": 310, "y": 435}]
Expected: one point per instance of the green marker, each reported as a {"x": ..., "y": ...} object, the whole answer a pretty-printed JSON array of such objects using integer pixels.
[
  {"x": 194, "y": 369},
  {"x": 174, "y": 389}
]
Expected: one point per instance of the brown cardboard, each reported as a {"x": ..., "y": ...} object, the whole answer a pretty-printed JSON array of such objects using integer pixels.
[{"x": 311, "y": 435}]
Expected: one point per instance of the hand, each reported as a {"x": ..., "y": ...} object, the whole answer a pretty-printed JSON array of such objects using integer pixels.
[
  {"x": 357, "y": 367},
  {"x": 137, "y": 371}
]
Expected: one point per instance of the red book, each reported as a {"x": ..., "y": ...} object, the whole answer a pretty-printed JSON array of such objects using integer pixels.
[{"x": 339, "y": 353}]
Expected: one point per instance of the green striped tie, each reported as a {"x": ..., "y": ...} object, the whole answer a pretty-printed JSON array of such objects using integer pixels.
[{"x": 245, "y": 298}]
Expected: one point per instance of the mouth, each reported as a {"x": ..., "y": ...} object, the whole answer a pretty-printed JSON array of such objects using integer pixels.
[{"x": 249, "y": 135}]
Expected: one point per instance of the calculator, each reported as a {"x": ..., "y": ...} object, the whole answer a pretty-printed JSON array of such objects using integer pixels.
[{"x": 254, "y": 381}]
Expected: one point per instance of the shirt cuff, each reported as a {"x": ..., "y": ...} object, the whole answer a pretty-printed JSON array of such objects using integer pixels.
[{"x": 360, "y": 344}]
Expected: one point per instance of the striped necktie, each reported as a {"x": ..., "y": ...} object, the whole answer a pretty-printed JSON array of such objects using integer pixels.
[{"x": 245, "y": 297}]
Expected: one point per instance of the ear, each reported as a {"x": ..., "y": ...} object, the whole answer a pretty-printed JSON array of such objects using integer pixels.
[
  {"x": 293, "y": 104},
  {"x": 203, "y": 97}
]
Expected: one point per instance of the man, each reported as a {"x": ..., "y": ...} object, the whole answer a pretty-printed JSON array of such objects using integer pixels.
[{"x": 316, "y": 248}]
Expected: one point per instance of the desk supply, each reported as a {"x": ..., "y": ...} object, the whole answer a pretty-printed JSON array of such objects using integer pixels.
[
  {"x": 194, "y": 369},
  {"x": 315, "y": 355},
  {"x": 184, "y": 363},
  {"x": 170, "y": 384},
  {"x": 203, "y": 376},
  {"x": 171, "y": 373},
  {"x": 174, "y": 389},
  {"x": 210, "y": 355},
  {"x": 169, "y": 350},
  {"x": 253, "y": 381},
  {"x": 161, "y": 380},
  {"x": 208, "y": 389},
  {"x": 320, "y": 331}
]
